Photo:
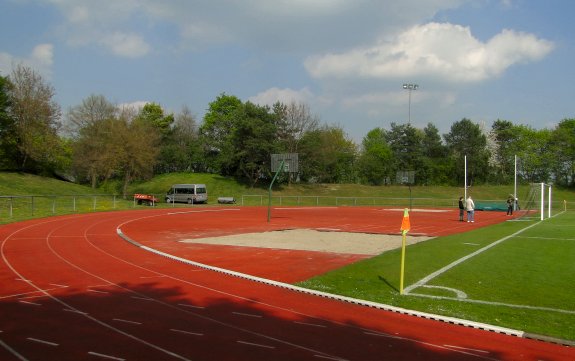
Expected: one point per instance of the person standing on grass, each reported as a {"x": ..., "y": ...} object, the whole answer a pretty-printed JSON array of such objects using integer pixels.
[
  {"x": 461, "y": 209},
  {"x": 470, "y": 207}
]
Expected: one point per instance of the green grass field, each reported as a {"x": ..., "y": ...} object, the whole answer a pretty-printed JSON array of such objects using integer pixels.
[{"x": 525, "y": 282}]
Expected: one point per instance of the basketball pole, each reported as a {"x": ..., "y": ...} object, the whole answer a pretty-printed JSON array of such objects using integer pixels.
[{"x": 281, "y": 167}]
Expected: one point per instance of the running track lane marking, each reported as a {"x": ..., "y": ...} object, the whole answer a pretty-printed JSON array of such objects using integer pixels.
[
  {"x": 170, "y": 305},
  {"x": 381, "y": 306},
  {"x": 256, "y": 344},
  {"x": 12, "y": 351},
  {"x": 44, "y": 342},
  {"x": 63, "y": 303},
  {"x": 105, "y": 356},
  {"x": 186, "y": 332}
]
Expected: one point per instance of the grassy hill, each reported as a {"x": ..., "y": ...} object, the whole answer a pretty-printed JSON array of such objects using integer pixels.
[{"x": 218, "y": 186}]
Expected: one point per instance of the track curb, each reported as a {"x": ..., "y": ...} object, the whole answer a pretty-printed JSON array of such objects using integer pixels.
[{"x": 381, "y": 306}]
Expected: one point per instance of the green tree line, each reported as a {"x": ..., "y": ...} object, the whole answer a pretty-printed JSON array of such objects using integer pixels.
[{"x": 97, "y": 141}]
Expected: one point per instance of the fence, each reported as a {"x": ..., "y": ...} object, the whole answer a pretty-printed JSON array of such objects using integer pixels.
[
  {"x": 15, "y": 208},
  {"x": 23, "y": 207},
  {"x": 258, "y": 200}
]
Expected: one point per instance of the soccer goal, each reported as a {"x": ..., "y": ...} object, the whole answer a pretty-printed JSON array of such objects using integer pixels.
[{"x": 538, "y": 201}]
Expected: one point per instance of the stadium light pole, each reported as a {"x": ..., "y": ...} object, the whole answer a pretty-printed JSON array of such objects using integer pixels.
[{"x": 409, "y": 87}]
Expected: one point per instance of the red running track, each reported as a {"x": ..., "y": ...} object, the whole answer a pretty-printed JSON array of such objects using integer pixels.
[{"x": 72, "y": 289}]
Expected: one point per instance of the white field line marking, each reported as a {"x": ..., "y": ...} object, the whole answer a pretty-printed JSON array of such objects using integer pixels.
[
  {"x": 105, "y": 356},
  {"x": 459, "y": 293},
  {"x": 471, "y": 244},
  {"x": 256, "y": 344},
  {"x": 491, "y": 303},
  {"x": 551, "y": 239},
  {"x": 463, "y": 259},
  {"x": 42, "y": 341},
  {"x": 187, "y": 332},
  {"x": 12, "y": 351}
]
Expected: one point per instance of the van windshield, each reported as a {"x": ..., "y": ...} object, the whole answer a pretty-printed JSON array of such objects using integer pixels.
[{"x": 201, "y": 190}]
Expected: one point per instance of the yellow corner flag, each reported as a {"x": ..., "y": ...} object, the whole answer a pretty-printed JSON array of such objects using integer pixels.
[{"x": 405, "y": 227}]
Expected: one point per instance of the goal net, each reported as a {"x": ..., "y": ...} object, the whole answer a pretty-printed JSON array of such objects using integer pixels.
[{"x": 537, "y": 203}]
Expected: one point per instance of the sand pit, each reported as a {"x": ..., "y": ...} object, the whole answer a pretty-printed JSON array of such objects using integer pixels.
[{"x": 314, "y": 240}]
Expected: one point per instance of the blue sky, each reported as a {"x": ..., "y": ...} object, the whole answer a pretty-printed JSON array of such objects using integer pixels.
[{"x": 346, "y": 59}]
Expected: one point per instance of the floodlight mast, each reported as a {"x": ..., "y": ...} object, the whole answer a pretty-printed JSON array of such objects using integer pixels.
[{"x": 409, "y": 87}]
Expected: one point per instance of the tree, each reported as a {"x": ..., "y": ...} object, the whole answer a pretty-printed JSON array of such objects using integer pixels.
[
  {"x": 8, "y": 135},
  {"x": 153, "y": 114},
  {"x": 375, "y": 161},
  {"x": 93, "y": 110},
  {"x": 254, "y": 139},
  {"x": 219, "y": 124},
  {"x": 466, "y": 139},
  {"x": 327, "y": 156},
  {"x": 405, "y": 143},
  {"x": 504, "y": 137},
  {"x": 36, "y": 116},
  {"x": 137, "y": 151},
  {"x": 563, "y": 147},
  {"x": 293, "y": 121},
  {"x": 436, "y": 165},
  {"x": 181, "y": 151}
]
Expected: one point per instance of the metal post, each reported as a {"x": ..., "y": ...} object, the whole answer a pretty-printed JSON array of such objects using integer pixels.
[{"x": 409, "y": 87}]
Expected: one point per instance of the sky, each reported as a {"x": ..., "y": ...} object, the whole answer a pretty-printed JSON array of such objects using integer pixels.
[{"x": 347, "y": 60}]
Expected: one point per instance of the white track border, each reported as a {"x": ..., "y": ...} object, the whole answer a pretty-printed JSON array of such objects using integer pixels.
[{"x": 381, "y": 306}]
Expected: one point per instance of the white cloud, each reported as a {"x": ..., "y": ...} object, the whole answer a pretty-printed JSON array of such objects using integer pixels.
[
  {"x": 126, "y": 45},
  {"x": 286, "y": 96},
  {"x": 40, "y": 59},
  {"x": 437, "y": 50}
]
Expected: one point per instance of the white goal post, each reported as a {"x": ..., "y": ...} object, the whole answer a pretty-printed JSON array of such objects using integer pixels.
[{"x": 543, "y": 185}]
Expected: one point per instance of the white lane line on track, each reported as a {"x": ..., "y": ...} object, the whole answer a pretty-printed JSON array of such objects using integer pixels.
[
  {"x": 127, "y": 321},
  {"x": 57, "y": 285},
  {"x": 256, "y": 344},
  {"x": 98, "y": 291},
  {"x": 108, "y": 357},
  {"x": 30, "y": 303},
  {"x": 63, "y": 303},
  {"x": 329, "y": 358},
  {"x": 75, "y": 311},
  {"x": 466, "y": 349},
  {"x": 247, "y": 314},
  {"x": 142, "y": 298},
  {"x": 282, "y": 285},
  {"x": 186, "y": 332},
  {"x": 12, "y": 351},
  {"x": 310, "y": 324},
  {"x": 44, "y": 342},
  {"x": 191, "y": 306}
]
